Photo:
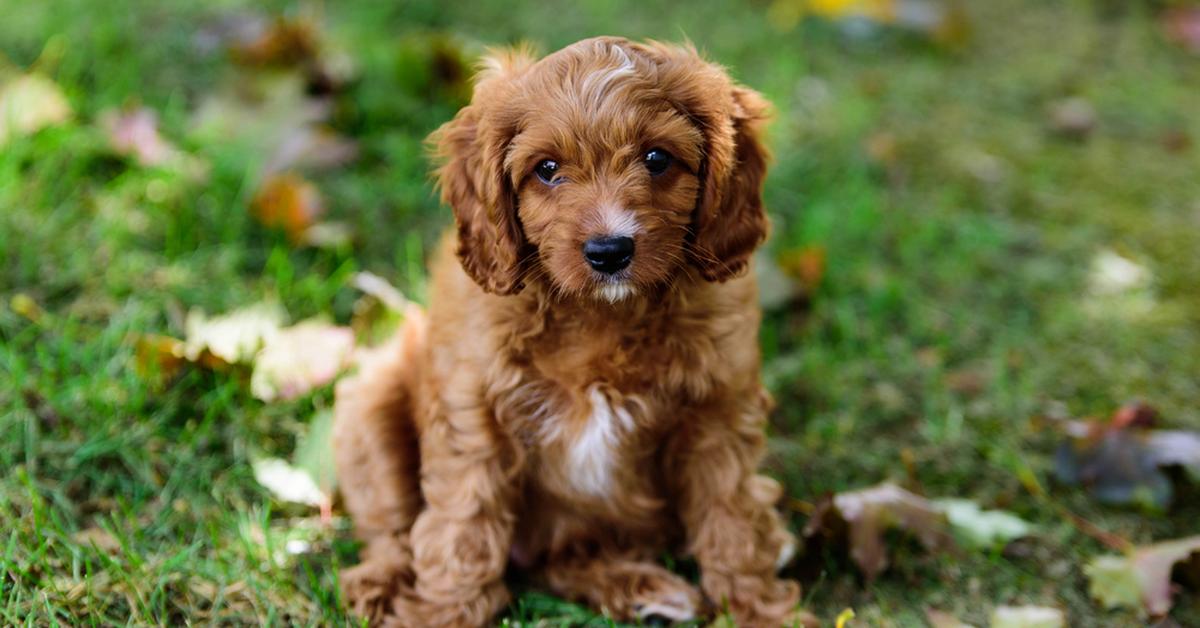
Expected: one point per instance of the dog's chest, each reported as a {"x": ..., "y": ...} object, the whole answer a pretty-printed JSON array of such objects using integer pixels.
[{"x": 597, "y": 397}]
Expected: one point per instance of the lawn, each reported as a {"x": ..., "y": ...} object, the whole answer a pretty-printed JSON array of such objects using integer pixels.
[{"x": 959, "y": 208}]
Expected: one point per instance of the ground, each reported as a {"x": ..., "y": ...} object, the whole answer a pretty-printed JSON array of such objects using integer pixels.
[{"x": 959, "y": 227}]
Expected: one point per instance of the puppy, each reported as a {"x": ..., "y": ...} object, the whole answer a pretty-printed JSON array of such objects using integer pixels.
[{"x": 583, "y": 395}]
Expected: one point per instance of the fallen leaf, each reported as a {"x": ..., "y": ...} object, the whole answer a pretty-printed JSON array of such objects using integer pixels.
[
  {"x": 311, "y": 147},
  {"x": 1073, "y": 118},
  {"x": 381, "y": 289},
  {"x": 29, "y": 103},
  {"x": 941, "y": 22},
  {"x": 1027, "y": 617},
  {"x": 381, "y": 309},
  {"x": 867, "y": 514},
  {"x": 1113, "y": 273},
  {"x": 259, "y": 113},
  {"x": 289, "y": 484},
  {"x": 806, "y": 265},
  {"x": 296, "y": 359},
  {"x": 942, "y": 619},
  {"x": 24, "y": 305},
  {"x": 1182, "y": 26},
  {"x": 234, "y": 337},
  {"x": 328, "y": 235},
  {"x": 134, "y": 133},
  {"x": 980, "y": 528},
  {"x": 1142, "y": 578},
  {"x": 289, "y": 202},
  {"x": 286, "y": 42},
  {"x": 314, "y": 452},
  {"x": 1121, "y": 461}
]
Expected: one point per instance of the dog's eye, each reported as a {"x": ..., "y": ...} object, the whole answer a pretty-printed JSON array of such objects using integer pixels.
[
  {"x": 657, "y": 161},
  {"x": 546, "y": 171}
]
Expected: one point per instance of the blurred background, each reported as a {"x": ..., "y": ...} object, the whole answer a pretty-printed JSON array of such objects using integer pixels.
[{"x": 986, "y": 224}]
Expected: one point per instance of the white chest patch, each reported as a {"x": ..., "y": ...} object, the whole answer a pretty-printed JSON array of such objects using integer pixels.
[{"x": 594, "y": 451}]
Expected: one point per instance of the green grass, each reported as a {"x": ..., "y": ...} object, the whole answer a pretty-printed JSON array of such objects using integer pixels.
[{"x": 968, "y": 252}]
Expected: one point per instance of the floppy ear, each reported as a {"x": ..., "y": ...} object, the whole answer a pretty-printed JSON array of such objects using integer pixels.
[
  {"x": 473, "y": 179},
  {"x": 729, "y": 221}
]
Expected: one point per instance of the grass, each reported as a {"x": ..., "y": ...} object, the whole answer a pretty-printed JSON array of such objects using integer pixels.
[{"x": 954, "y": 310}]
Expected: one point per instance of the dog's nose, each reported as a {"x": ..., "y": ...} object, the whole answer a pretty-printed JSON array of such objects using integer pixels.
[{"x": 608, "y": 254}]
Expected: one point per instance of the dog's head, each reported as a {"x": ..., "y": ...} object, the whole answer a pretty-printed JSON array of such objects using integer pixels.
[{"x": 604, "y": 169}]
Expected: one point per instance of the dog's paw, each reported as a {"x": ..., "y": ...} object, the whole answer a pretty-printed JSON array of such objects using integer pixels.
[
  {"x": 369, "y": 588},
  {"x": 466, "y": 609},
  {"x": 678, "y": 604}
]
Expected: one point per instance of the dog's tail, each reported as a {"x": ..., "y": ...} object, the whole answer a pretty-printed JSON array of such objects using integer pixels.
[{"x": 375, "y": 437}]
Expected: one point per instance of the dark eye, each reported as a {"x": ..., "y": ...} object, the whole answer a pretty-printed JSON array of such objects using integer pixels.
[
  {"x": 657, "y": 161},
  {"x": 546, "y": 170}
]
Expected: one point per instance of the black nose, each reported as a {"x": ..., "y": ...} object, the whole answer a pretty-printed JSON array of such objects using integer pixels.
[{"x": 608, "y": 254}]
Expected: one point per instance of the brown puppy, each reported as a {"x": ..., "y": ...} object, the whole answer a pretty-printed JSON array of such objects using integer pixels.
[{"x": 584, "y": 394}]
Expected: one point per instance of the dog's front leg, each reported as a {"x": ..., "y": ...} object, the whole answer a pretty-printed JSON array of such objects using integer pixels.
[
  {"x": 461, "y": 541},
  {"x": 732, "y": 527}
]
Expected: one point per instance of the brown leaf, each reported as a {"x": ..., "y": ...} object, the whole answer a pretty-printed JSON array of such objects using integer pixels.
[
  {"x": 865, "y": 515},
  {"x": 286, "y": 42},
  {"x": 1182, "y": 26},
  {"x": 1121, "y": 461},
  {"x": 289, "y": 202},
  {"x": 805, "y": 265},
  {"x": 1142, "y": 577}
]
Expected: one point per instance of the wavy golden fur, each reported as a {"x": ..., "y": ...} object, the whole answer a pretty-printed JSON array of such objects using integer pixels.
[{"x": 551, "y": 418}]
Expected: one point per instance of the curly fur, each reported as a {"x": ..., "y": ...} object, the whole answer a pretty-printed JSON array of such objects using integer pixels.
[{"x": 568, "y": 423}]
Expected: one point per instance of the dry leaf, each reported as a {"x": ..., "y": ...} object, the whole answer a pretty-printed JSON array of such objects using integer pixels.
[
  {"x": 135, "y": 133},
  {"x": 260, "y": 112},
  {"x": 942, "y": 619},
  {"x": 806, "y": 265},
  {"x": 286, "y": 42},
  {"x": 1073, "y": 118},
  {"x": 1120, "y": 462},
  {"x": 380, "y": 310},
  {"x": 1113, "y": 273},
  {"x": 868, "y": 513},
  {"x": 314, "y": 452},
  {"x": 328, "y": 235},
  {"x": 288, "y": 483},
  {"x": 29, "y": 103},
  {"x": 1182, "y": 26},
  {"x": 297, "y": 359},
  {"x": 234, "y": 337},
  {"x": 288, "y": 202},
  {"x": 980, "y": 528},
  {"x": 1142, "y": 579},
  {"x": 1027, "y": 617},
  {"x": 378, "y": 287},
  {"x": 24, "y": 305},
  {"x": 311, "y": 148}
]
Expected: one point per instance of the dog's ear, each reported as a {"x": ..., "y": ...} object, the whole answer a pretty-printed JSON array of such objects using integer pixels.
[
  {"x": 470, "y": 151},
  {"x": 729, "y": 220}
]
